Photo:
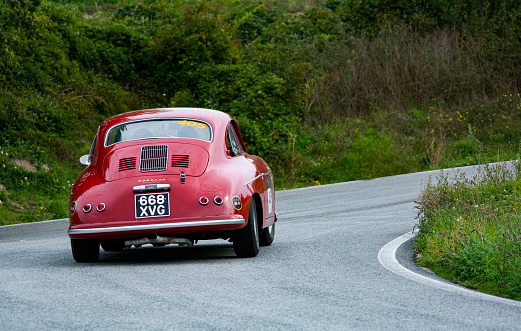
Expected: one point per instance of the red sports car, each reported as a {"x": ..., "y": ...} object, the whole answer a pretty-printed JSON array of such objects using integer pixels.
[{"x": 170, "y": 176}]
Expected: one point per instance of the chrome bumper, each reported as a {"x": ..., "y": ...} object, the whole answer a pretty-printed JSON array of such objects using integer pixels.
[{"x": 193, "y": 224}]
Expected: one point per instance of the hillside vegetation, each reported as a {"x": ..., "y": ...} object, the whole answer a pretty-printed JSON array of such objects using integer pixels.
[{"x": 325, "y": 91}]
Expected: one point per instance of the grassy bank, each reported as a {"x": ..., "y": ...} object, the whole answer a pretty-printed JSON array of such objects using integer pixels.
[
  {"x": 325, "y": 91},
  {"x": 470, "y": 230}
]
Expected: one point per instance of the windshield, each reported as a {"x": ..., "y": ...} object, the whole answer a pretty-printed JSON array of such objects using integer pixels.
[{"x": 159, "y": 128}]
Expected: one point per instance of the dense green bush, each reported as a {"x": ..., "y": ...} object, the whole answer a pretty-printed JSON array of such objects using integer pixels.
[
  {"x": 499, "y": 17},
  {"x": 336, "y": 90}
]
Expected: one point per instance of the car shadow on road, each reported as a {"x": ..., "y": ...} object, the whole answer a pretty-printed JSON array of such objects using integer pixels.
[{"x": 171, "y": 253}]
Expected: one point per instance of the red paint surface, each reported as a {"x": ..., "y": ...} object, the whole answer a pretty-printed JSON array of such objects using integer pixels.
[{"x": 211, "y": 172}]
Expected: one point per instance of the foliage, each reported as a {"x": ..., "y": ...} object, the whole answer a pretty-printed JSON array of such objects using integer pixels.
[
  {"x": 470, "y": 230},
  {"x": 324, "y": 91},
  {"x": 500, "y": 17}
]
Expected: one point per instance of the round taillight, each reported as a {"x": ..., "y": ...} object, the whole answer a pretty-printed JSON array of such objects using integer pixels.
[
  {"x": 101, "y": 207},
  {"x": 87, "y": 208},
  {"x": 218, "y": 200},
  {"x": 203, "y": 201}
]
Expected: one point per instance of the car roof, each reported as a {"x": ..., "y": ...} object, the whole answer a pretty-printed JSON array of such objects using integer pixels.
[{"x": 216, "y": 118}]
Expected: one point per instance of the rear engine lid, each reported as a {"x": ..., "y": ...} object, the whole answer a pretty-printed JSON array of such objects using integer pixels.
[{"x": 155, "y": 159}]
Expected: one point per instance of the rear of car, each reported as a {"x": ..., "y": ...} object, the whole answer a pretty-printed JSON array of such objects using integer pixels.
[{"x": 150, "y": 180}]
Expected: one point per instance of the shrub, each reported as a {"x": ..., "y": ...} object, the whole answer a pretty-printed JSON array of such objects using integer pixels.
[
  {"x": 340, "y": 91},
  {"x": 469, "y": 230}
]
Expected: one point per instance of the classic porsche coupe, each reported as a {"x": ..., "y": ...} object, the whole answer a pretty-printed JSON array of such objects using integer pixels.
[{"x": 170, "y": 176}]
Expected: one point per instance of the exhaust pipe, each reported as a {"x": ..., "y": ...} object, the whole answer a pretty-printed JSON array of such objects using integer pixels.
[{"x": 154, "y": 239}]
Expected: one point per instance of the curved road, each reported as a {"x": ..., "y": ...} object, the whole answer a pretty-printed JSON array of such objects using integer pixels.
[{"x": 330, "y": 267}]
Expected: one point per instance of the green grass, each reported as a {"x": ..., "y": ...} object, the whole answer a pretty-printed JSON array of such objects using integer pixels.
[
  {"x": 470, "y": 230},
  {"x": 31, "y": 191}
]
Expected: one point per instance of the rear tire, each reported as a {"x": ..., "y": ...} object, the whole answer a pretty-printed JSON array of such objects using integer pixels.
[
  {"x": 85, "y": 250},
  {"x": 246, "y": 241},
  {"x": 267, "y": 235}
]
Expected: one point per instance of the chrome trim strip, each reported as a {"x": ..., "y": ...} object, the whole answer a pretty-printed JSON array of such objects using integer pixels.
[
  {"x": 259, "y": 176},
  {"x": 235, "y": 221},
  {"x": 151, "y": 187}
]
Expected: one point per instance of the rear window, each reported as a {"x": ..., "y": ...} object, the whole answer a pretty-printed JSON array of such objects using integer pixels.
[{"x": 159, "y": 128}]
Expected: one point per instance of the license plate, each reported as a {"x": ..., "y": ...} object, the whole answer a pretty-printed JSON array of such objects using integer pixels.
[{"x": 152, "y": 205}]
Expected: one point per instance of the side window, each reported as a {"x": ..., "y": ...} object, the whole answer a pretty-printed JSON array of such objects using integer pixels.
[
  {"x": 232, "y": 143},
  {"x": 238, "y": 138},
  {"x": 92, "y": 149}
]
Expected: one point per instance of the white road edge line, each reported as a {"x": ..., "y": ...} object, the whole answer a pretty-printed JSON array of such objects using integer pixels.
[{"x": 387, "y": 258}]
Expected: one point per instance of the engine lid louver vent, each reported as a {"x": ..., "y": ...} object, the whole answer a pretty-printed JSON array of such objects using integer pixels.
[
  {"x": 128, "y": 163},
  {"x": 153, "y": 158},
  {"x": 180, "y": 161}
]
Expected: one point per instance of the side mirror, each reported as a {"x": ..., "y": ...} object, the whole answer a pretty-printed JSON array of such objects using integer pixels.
[{"x": 85, "y": 160}]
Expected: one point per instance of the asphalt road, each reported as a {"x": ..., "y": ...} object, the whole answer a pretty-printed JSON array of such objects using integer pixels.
[{"x": 323, "y": 271}]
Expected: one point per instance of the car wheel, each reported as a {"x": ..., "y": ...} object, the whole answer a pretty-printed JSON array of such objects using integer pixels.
[
  {"x": 84, "y": 250},
  {"x": 267, "y": 235},
  {"x": 246, "y": 242},
  {"x": 113, "y": 245}
]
